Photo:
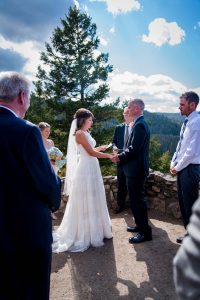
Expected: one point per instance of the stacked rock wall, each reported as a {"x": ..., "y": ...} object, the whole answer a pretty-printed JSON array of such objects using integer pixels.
[{"x": 160, "y": 193}]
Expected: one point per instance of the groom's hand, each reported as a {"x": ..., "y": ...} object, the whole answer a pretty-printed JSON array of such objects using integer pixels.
[{"x": 115, "y": 158}]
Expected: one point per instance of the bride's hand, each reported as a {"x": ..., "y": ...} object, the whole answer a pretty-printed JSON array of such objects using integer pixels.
[{"x": 102, "y": 148}]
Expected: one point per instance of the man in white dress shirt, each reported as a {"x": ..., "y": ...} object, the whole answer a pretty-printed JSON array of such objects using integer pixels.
[{"x": 186, "y": 160}]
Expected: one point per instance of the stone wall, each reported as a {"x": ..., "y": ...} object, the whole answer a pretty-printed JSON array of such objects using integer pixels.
[{"x": 160, "y": 193}]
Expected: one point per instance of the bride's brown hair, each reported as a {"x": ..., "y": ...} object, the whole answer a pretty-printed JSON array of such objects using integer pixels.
[{"x": 81, "y": 115}]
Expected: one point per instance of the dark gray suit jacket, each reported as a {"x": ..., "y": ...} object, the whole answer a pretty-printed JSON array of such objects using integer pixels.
[
  {"x": 29, "y": 188},
  {"x": 118, "y": 138},
  {"x": 135, "y": 158}
]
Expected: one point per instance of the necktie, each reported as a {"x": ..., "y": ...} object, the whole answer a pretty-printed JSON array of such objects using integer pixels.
[
  {"x": 181, "y": 137},
  {"x": 126, "y": 135}
]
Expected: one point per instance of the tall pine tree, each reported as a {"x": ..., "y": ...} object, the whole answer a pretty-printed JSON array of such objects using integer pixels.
[
  {"x": 73, "y": 74},
  {"x": 76, "y": 72}
]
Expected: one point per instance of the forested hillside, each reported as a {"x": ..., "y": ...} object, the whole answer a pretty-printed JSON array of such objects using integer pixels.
[
  {"x": 166, "y": 128},
  {"x": 173, "y": 116}
]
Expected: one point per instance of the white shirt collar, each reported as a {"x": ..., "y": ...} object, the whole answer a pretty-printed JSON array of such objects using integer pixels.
[{"x": 192, "y": 115}]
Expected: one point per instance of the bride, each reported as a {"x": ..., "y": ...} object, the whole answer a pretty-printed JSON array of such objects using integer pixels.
[{"x": 86, "y": 220}]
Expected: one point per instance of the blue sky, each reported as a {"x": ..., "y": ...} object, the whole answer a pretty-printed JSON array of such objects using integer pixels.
[{"x": 154, "y": 46}]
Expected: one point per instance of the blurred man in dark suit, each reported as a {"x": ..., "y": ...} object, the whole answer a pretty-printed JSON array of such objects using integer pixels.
[{"x": 29, "y": 189}]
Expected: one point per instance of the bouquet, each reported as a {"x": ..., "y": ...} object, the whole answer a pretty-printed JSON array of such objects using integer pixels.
[{"x": 56, "y": 157}]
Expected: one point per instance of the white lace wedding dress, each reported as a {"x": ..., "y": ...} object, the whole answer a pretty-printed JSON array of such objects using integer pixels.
[{"x": 86, "y": 221}]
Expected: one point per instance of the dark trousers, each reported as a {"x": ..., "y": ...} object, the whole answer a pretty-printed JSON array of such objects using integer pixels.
[
  {"x": 25, "y": 274},
  {"x": 138, "y": 203},
  {"x": 121, "y": 186},
  {"x": 188, "y": 190}
]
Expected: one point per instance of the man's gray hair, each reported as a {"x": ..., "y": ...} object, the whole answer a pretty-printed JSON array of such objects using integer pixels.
[
  {"x": 138, "y": 102},
  {"x": 11, "y": 84}
]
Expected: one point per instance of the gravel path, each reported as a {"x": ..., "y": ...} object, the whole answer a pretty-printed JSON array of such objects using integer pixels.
[{"x": 119, "y": 270}]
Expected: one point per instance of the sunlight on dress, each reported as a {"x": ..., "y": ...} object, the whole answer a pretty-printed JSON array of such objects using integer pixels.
[{"x": 86, "y": 221}]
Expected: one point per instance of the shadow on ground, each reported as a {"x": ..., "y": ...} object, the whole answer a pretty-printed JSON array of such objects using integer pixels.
[{"x": 119, "y": 270}]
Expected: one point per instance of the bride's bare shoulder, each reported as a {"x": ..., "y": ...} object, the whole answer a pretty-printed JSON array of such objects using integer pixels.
[
  {"x": 80, "y": 136},
  {"x": 79, "y": 133}
]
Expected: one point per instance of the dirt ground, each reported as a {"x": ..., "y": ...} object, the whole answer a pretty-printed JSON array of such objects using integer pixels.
[{"x": 119, "y": 270}]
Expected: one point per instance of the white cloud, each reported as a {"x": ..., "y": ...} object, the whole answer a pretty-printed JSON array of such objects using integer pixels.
[
  {"x": 197, "y": 25},
  {"x": 85, "y": 8},
  {"x": 196, "y": 90},
  {"x": 163, "y": 32},
  {"x": 29, "y": 50},
  {"x": 112, "y": 29},
  {"x": 120, "y": 6},
  {"x": 103, "y": 41},
  {"x": 159, "y": 92},
  {"x": 76, "y": 3}
]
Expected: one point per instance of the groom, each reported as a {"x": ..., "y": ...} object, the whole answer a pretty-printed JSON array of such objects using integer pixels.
[
  {"x": 135, "y": 162},
  {"x": 29, "y": 189}
]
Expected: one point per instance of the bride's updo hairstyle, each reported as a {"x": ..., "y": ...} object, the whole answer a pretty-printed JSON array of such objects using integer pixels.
[{"x": 81, "y": 115}]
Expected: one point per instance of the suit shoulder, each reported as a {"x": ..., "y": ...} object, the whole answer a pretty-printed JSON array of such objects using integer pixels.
[
  {"x": 26, "y": 127},
  {"x": 142, "y": 124},
  {"x": 142, "y": 121},
  {"x": 119, "y": 126},
  {"x": 30, "y": 124}
]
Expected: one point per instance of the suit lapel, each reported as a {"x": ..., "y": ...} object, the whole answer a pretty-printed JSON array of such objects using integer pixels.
[
  {"x": 122, "y": 133},
  {"x": 123, "y": 129}
]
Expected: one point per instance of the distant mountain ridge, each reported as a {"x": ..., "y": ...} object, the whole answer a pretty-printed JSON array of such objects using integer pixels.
[
  {"x": 166, "y": 127},
  {"x": 161, "y": 123},
  {"x": 173, "y": 116}
]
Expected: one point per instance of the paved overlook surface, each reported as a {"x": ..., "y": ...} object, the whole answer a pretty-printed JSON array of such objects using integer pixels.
[{"x": 119, "y": 270}]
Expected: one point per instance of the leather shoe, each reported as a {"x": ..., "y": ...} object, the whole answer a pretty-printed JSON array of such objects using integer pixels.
[
  {"x": 140, "y": 238},
  {"x": 133, "y": 229},
  {"x": 119, "y": 209}
]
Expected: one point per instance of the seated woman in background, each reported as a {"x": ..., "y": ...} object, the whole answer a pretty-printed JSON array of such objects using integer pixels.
[{"x": 45, "y": 129}]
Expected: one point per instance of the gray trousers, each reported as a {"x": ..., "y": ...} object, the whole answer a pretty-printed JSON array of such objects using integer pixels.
[{"x": 188, "y": 190}]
